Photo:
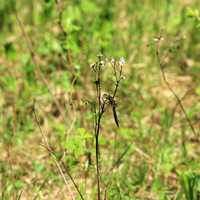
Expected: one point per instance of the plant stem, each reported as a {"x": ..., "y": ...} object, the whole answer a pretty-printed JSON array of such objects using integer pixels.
[
  {"x": 97, "y": 152},
  {"x": 179, "y": 102},
  {"x": 97, "y": 168},
  {"x": 97, "y": 130}
]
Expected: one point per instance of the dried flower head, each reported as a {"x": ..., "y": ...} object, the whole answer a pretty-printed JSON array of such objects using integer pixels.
[
  {"x": 102, "y": 63},
  {"x": 112, "y": 61},
  {"x": 122, "y": 61}
]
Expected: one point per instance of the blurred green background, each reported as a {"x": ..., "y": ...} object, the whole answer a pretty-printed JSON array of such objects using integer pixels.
[{"x": 161, "y": 159}]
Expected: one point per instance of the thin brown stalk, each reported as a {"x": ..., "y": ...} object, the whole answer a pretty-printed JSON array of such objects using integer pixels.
[
  {"x": 73, "y": 181},
  {"x": 179, "y": 102},
  {"x": 97, "y": 128},
  {"x": 40, "y": 188},
  {"x": 99, "y": 109},
  {"x": 118, "y": 79},
  {"x": 20, "y": 195},
  {"x": 49, "y": 149},
  {"x": 29, "y": 44}
]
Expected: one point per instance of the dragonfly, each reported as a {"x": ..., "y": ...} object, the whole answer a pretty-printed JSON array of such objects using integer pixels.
[{"x": 109, "y": 99}]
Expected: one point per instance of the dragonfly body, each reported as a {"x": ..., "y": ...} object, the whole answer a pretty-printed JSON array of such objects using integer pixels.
[{"x": 113, "y": 104}]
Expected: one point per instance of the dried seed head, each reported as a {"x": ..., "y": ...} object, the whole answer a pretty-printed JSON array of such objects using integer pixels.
[
  {"x": 122, "y": 61},
  {"x": 102, "y": 63},
  {"x": 123, "y": 77},
  {"x": 112, "y": 61}
]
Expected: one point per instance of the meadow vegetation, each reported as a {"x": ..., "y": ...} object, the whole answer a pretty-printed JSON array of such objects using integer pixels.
[{"x": 100, "y": 99}]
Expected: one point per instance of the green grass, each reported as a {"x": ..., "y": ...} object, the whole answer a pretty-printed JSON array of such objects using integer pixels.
[{"x": 154, "y": 151}]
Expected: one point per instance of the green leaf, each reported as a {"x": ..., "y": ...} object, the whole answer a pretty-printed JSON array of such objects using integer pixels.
[
  {"x": 192, "y": 12},
  {"x": 19, "y": 184},
  {"x": 70, "y": 16},
  {"x": 38, "y": 167},
  {"x": 76, "y": 143},
  {"x": 89, "y": 7}
]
